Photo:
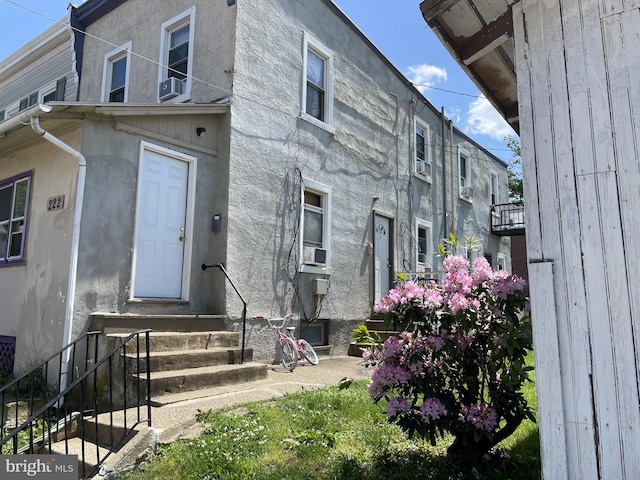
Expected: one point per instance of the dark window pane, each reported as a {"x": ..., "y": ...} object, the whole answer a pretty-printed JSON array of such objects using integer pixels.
[
  {"x": 180, "y": 36},
  {"x": 118, "y": 73},
  {"x": 315, "y": 102},
  {"x": 21, "y": 198},
  {"x": 312, "y": 228},
  {"x": 6, "y": 194},
  {"x": 4, "y": 227},
  {"x": 315, "y": 69},
  {"x": 117, "y": 95},
  {"x": 15, "y": 248},
  {"x": 178, "y": 54}
]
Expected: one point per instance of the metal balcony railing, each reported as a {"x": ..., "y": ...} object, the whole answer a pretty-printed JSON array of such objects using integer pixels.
[{"x": 507, "y": 219}]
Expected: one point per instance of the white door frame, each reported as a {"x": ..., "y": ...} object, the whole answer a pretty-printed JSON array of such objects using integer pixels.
[
  {"x": 377, "y": 278},
  {"x": 189, "y": 214}
]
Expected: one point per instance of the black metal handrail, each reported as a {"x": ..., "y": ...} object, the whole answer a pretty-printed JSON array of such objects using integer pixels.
[
  {"x": 507, "y": 219},
  {"x": 62, "y": 414},
  {"x": 244, "y": 304}
]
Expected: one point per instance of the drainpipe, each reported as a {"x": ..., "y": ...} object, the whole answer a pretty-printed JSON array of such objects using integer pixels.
[
  {"x": 75, "y": 240},
  {"x": 444, "y": 177}
]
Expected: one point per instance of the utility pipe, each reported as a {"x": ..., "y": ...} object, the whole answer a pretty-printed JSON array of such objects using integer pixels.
[
  {"x": 75, "y": 238},
  {"x": 444, "y": 177}
]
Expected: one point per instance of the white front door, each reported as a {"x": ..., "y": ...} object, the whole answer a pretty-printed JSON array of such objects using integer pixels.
[
  {"x": 382, "y": 257},
  {"x": 161, "y": 219}
]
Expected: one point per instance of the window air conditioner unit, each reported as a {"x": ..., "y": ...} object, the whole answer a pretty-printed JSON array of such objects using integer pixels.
[
  {"x": 315, "y": 256},
  {"x": 424, "y": 167},
  {"x": 169, "y": 88},
  {"x": 467, "y": 192}
]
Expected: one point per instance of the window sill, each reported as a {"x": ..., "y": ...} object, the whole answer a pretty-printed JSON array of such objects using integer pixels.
[
  {"x": 12, "y": 263},
  {"x": 466, "y": 199},
  {"x": 185, "y": 97},
  {"x": 318, "y": 123},
  {"x": 317, "y": 269},
  {"x": 425, "y": 177}
]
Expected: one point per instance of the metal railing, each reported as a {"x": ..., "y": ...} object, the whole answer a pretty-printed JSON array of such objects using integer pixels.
[
  {"x": 507, "y": 219},
  {"x": 52, "y": 425},
  {"x": 244, "y": 304}
]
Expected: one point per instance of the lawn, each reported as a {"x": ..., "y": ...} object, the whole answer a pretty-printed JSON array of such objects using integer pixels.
[{"x": 327, "y": 434}]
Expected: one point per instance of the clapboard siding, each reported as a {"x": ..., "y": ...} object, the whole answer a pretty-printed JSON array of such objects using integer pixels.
[
  {"x": 579, "y": 112},
  {"x": 46, "y": 69}
]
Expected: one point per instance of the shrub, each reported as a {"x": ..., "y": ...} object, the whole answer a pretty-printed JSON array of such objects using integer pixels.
[{"x": 459, "y": 364}]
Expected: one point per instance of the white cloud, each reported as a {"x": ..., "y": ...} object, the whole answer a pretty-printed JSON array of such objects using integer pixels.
[
  {"x": 485, "y": 120},
  {"x": 423, "y": 76}
]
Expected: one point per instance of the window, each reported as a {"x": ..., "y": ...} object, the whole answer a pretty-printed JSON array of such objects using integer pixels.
[
  {"x": 502, "y": 261},
  {"x": 116, "y": 74},
  {"x": 54, "y": 92},
  {"x": 493, "y": 189},
  {"x": 422, "y": 149},
  {"x": 424, "y": 247},
  {"x": 315, "y": 226},
  {"x": 317, "y": 88},
  {"x": 464, "y": 174},
  {"x": 176, "y": 54},
  {"x": 14, "y": 199},
  {"x": 315, "y": 332}
]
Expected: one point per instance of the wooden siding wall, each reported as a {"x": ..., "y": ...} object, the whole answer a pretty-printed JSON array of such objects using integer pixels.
[{"x": 577, "y": 68}]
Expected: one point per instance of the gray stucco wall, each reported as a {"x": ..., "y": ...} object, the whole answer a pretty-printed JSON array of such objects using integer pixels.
[{"x": 33, "y": 295}]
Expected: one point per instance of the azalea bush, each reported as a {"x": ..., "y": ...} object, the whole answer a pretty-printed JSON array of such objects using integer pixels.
[{"x": 459, "y": 365}]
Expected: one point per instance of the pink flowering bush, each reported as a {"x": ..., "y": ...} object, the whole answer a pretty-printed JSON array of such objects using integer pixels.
[{"x": 459, "y": 364}]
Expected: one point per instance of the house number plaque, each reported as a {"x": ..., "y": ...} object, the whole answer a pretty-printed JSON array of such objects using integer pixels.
[{"x": 55, "y": 203}]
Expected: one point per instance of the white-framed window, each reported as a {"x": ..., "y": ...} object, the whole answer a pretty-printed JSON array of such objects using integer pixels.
[
  {"x": 424, "y": 246},
  {"x": 502, "y": 262},
  {"x": 315, "y": 227},
  {"x": 422, "y": 149},
  {"x": 115, "y": 76},
  {"x": 316, "y": 333},
  {"x": 494, "y": 198},
  {"x": 176, "y": 57},
  {"x": 14, "y": 207},
  {"x": 465, "y": 174},
  {"x": 317, "y": 87}
]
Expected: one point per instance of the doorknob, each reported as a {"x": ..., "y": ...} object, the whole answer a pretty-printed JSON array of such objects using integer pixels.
[{"x": 181, "y": 238}]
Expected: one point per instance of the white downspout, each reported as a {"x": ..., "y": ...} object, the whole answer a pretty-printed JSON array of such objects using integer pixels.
[{"x": 75, "y": 241}]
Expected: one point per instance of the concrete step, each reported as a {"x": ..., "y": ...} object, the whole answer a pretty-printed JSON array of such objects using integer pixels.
[
  {"x": 89, "y": 454},
  {"x": 171, "y": 341},
  {"x": 203, "y": 377},
  {"x": 107, "y": 322},
  {"x": 182, "y": 359}
]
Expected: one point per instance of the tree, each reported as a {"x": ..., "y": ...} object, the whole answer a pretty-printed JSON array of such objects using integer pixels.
[{"x": 514, "y": 171}]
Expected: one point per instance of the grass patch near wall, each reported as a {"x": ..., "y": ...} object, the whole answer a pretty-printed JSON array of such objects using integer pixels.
[{"x": 327, "y": 434}]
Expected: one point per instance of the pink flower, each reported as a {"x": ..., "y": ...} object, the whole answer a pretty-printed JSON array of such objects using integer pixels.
[
  {"x": 432, "y": 409},
  {"x": 457, "y": 303},
  {"x": 482, "y": 416},
  {"x": 454, "y": 263},
  {"x": 397, "y": 405},
  {"x": 482, "y": 271},
  {"x": 432, "y": 299},
  {"x": 391, "y": 348}
]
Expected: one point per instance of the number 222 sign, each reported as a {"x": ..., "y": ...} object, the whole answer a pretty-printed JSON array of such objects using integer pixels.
[{"x": 55, "y": 203}]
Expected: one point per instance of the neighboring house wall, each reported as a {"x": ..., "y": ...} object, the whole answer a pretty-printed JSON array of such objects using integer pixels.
[
  {"x": 33, "y": 292},
  {"x": 577, "y": 76},
  {"x": 43, "y": 70}
]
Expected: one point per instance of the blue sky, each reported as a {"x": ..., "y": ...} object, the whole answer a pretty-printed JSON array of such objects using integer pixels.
[{"x": 396, "y": 27}]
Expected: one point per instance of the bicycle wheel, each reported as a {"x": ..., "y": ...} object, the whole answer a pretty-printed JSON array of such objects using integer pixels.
[
  {"x": 289, "y": 354},
  {"x": 308, "y": 352}
]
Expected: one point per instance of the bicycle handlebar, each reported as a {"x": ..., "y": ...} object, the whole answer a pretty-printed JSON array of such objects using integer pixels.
[{"x": 273, "y": 322}]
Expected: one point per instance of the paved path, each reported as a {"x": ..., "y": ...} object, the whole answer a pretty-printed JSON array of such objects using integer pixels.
[{"x": 177, "y": 420}]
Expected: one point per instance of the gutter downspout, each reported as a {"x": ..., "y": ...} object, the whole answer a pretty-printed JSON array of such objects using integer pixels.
[
  {"x": 444, "y": 177},
  {"x": 75, "y": 240}
]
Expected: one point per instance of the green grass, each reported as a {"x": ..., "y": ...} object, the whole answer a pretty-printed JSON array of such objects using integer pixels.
[{"x": 327, "y": 434}]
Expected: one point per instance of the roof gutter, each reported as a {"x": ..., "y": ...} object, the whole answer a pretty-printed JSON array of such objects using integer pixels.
[{"x": 75, "y": 239}]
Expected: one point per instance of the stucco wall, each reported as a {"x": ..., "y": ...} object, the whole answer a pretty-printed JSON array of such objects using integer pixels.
[
  {"x": 369, "y": 155},
  {"x": 139, "y": 23},
  {"x": 106, "y": 240},
  {"x": 33, "y": 295}
]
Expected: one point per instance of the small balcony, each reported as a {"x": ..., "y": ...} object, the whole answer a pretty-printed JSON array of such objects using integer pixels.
[{"x": 507, "y": 219}]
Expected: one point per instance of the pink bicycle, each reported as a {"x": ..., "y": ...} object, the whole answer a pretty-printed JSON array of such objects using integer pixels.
[{"x": 291, "y": 348}]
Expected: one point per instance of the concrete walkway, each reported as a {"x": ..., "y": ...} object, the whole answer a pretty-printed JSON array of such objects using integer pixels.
[{"x": 174, "y": 416}]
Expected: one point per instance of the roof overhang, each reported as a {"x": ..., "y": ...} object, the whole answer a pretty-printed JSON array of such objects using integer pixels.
[
  {"x": 479, "y": 35},
  {"x": 58, "y": 115}
]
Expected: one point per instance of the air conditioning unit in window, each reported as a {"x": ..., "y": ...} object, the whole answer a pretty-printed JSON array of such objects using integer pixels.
[
  {"x": 424, "y": 168},
  {"x": 467, "y": 192},
  {"x": 315, "y": 256},
  {"x": 169, "y": 88}
]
